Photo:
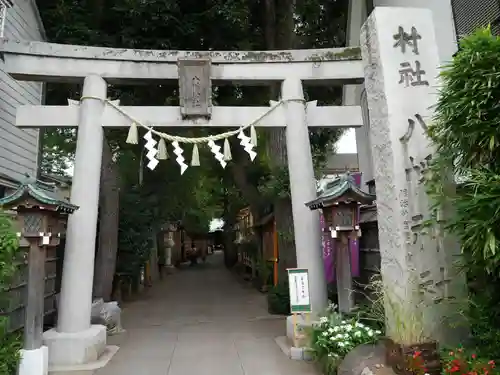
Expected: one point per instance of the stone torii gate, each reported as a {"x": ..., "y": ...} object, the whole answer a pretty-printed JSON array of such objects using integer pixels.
[{"x": 75, "y": 341}]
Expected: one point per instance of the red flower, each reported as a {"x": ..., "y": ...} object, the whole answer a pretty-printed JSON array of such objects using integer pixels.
[
  {"x": 455, "y": 369},
  {"x": 417, "y": 354},
  {"x": 491, "y": 363},
  {"x": 451, "y": 353},
  {"x": 460, "y": 350},
  {"x": 474, "y": 356}
]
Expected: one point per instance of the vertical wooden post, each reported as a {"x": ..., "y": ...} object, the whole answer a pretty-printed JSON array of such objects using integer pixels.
[
  {"x": 35, "y": 297},
  {"x": 343, "y": 275},
  {"x": 275, "y": 253}
]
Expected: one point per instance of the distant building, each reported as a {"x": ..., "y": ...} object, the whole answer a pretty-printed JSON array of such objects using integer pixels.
[
  {"x": 341, "y": 163},
  {"x": 472, "y": 14},
  {"x": 62, "y": 183}
]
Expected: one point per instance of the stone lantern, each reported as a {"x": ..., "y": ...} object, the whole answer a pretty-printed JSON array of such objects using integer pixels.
[
  {"x": 169, "y": 243},
  {"x": 340, "y": 202},
  {"x": 40, "y": 220}
]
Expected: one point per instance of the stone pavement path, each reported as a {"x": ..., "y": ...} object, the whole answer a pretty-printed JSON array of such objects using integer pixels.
[{"x": 201, "y": 321}]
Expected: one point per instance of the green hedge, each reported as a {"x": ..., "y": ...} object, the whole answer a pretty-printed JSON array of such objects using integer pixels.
[{"x": 10, "y": 343}]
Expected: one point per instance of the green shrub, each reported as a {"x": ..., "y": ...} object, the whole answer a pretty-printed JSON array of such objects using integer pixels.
[
  {"x": 278, "y": 300},
  {"x": 466, "y": 133},
  {"x": 467, "y": 136},
  {"x": 10, "y": 343}
]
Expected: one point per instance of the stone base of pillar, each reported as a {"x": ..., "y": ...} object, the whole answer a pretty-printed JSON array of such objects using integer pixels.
[
  {"x": 87, "y": 368},
  {"x": 75, "y": 349},
  {"x": 293, "y": 352},
  {"x": 34, "y": 362}
]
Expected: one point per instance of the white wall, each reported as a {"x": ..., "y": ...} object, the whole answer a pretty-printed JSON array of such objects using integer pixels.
[{"x": 19, "y": 149}]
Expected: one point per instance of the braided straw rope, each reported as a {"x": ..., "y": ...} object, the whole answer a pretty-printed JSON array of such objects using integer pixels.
[{"x": 196, "y": 140}]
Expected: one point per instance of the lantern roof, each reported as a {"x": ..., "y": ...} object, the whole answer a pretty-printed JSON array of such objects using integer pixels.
[
  {"x": 44, "y": 195},
  {"x": 342, "y": 189}
]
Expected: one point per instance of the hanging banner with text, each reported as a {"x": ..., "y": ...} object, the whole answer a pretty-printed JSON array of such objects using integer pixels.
[{"x": 298, "y": 284}]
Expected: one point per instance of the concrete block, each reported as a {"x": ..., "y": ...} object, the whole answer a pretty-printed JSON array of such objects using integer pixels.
[
  {"x": 34, "y": 362},
  {"x": 75, "y": 348}
]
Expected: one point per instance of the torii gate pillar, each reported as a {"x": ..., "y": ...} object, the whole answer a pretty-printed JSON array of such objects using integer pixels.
[
  {"x": 75, "y": 341},
  {"x": 306, "y": 223}
]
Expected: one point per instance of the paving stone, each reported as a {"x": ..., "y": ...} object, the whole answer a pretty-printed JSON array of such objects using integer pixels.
[{"x": 201, "y": 320}]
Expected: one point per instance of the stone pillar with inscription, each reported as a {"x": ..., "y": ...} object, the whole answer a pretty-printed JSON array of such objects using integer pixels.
[{"x": 401, "y": 62}]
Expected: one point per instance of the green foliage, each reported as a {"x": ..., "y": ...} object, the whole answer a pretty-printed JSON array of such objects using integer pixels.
[
  {"x": 278, "y": 300},
  {"x": 276, "y": 183},
  {"x": 466, "y": 133},
  {"x": 10, "y": 344},
  {"x": 135, "y": 232}
]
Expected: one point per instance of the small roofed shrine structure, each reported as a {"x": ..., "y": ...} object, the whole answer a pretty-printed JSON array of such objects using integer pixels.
[
  {"x": 40, "y": 220},
  {"x": 340, "y": 202}
]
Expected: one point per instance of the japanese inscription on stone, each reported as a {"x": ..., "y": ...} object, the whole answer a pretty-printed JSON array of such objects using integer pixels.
[
  {"x": 414, "y": 205},
  {"x": 407, "y": 74},
  {"x": 195, "y": 88}
]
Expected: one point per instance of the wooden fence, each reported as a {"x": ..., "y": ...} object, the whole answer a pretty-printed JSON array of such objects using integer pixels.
[{"x": 17, "y": 293}]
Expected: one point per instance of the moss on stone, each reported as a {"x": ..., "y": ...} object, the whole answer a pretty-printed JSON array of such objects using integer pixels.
[{"x": 352, "y": 53}]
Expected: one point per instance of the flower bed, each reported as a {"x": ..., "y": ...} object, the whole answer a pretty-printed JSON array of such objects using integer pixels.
[
  {"x": 333, "y": 337},
  {"x": 456, "y": 362}
]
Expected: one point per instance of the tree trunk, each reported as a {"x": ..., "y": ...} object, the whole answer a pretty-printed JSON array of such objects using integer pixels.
[
  {"x": 280, "y": 35},
  {"x": 108, "y": 227}
]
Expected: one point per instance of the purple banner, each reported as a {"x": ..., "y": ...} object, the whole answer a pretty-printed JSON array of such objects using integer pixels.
[
  {"x": 357, "y": 178},
  {"x": 328, "y": 259}
]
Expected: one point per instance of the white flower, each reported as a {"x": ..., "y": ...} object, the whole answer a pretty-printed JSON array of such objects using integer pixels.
[
  {"x": 323, "y": 320},
  {"x": 336, "y": 329},
  {"x": 378, "y": 332},
  {"x": 330, "y": 330},
  {"x": 348, "y": 328},
  {"x": 341, "y": 344},
  {"x": 357, "y": 333},
  {"x": 370, "y": 333},
  {"x": 344, "y": 322},
  {"x": 325, "y": 333}
]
